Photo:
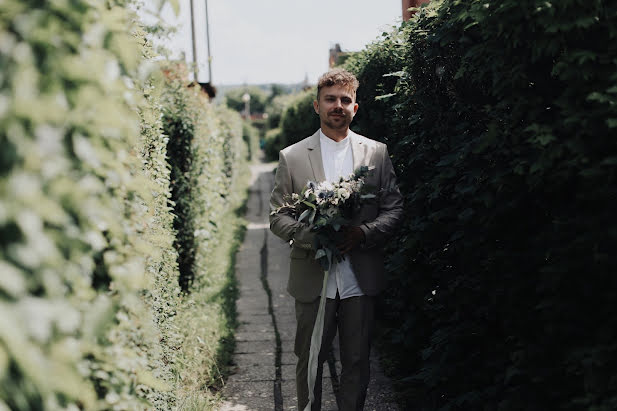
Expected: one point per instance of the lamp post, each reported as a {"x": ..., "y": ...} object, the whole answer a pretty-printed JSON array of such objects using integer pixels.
[{"x": 246, "y": 97}]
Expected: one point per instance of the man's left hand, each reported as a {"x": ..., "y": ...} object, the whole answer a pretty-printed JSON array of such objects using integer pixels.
[{"x": 352, "y": 237}]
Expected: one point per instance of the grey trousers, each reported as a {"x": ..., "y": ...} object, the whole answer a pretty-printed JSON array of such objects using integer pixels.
[{"x": 354, "y": 318}]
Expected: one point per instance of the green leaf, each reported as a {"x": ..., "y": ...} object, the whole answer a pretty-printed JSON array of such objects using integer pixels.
[
  {"x": 309, "y": 204},
  {"x": 545, "y": 139},
  {"x": 384, "y": 96},
  {"x": 304, "y": 214},
  {"x": 312, "y": 217}
]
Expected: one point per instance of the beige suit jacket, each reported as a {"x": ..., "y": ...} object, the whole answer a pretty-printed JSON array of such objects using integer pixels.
[{"x": 302, "y": 162}]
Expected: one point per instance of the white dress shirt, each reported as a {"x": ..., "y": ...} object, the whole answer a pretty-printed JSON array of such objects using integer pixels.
[{"x": 337, "y": 160}]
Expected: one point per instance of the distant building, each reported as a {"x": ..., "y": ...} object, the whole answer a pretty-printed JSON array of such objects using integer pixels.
[
  {"x": 337, "y": 56},
  {"x": 335, "y": 52},
  {"x": 411, "y": 3},
  {"x": 305, "y": 83}
]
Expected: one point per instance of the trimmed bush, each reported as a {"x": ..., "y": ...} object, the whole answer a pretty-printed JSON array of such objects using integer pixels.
[
  {"x": 503, "y": 137},
  {"x": 233, "y": 99},
  {"x": 250, "y": 135},
  {"x": 298, "y": 121},
  {"x": 208, "y": 158},
  {"x": 91, "y": 315},
  {"x": 271, "y": 144},
  {"x": 275, "y": 109},
  {"x": 78, "y": 213},
  {"x": 378, "y": 67}
]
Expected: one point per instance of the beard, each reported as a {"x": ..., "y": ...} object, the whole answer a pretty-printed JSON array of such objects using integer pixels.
[{"x": 337, "y": 123}]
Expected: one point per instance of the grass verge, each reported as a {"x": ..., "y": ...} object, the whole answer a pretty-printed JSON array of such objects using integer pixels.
[{"x": 208, "y": 320}]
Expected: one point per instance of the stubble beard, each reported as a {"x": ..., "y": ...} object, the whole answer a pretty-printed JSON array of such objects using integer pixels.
[{"x": 344, "y": 124}]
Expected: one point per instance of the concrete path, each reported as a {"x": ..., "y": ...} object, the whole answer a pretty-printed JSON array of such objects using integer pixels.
[{"x": 265, "y": 363}]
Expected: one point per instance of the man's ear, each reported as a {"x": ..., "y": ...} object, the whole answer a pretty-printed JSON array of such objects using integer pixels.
[
  {"x": 355, "y": 108},
  {"x": 316, "y": 106}
]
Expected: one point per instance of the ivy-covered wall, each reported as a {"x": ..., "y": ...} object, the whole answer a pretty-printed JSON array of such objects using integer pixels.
[
  {"x": 501, "y": 124},
  {"x": 91, "y": 314}
]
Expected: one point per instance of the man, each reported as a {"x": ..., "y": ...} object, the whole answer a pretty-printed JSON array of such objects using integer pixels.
[{"x": 331, "y": 152}]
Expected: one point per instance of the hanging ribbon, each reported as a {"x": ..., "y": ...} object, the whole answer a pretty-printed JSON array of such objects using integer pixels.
[{"x": 316, "y": 337}]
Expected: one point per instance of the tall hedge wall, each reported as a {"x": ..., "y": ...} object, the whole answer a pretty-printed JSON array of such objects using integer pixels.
[
  {"x": 205, "y": 155},
  {"x": 89, "y": 294},
  {"x": 502, "y": 126}
]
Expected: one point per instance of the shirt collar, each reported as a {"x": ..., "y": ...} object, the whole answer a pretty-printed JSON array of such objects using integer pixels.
[{"x": 333, "y": 145}]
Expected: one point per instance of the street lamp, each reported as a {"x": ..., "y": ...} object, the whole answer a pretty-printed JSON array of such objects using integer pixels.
[{"x": 246, "y": 97}]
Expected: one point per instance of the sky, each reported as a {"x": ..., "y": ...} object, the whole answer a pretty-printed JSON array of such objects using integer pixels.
[{"x": 276, "y": 41}]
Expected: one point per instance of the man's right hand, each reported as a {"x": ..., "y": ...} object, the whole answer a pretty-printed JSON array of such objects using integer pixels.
[
  {"x": 304, "y": 237},
  {"x": 352, "y": 237}
]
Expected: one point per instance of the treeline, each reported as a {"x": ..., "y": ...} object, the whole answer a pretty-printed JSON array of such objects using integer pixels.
[
  {"x": 501, "y": 119},
  {"x": 106, "y": 164}
]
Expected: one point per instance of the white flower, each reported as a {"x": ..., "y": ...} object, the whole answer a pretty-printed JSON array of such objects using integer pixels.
[
  {"x": 343, "y": 193},
  {"x": 325, "y": 186}
]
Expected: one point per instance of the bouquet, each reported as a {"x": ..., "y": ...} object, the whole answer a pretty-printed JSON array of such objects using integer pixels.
[{"x": 327, "y": 207}]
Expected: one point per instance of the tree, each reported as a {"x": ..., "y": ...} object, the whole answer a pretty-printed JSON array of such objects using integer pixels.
[{"x": 233, "y": 99}]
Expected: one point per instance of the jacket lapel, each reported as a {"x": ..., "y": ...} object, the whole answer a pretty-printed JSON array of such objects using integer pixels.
[
  {"x": 359, "y": 152},
  {"x": 314, "y": 155}
]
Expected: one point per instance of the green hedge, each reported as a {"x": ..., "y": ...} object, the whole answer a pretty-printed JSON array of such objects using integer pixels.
[
  {"x": 298, "y": 120},
  {"x": 379, "y": 67},
  {"x": 78, "y": 213},
  {"x": 208, "y": 158},
  {"x": 90, "y": 310},
  {"x": 257, "y": 103},
  {"x": 503, "y": 136}
]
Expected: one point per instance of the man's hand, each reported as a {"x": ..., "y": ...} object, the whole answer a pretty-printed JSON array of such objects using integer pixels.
[{"x": 352, "y": 237}]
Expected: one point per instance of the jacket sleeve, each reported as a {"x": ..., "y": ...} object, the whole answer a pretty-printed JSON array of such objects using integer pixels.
[
  {"x": 281, "y": 224},
  {"x": 390, "y": 200}
]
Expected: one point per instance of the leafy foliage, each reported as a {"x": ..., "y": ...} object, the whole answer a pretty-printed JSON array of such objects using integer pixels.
[
  {"x": 89, "y": 295},
  {"x": 298, "y": 120},
  {"x": 75, "y": 204},
  {"x": 250, "y": 135},
  {"x": 208, "y": 157},
  {"x": 276, "y": 107},
  {"x": 379, "y": 67},
  {"x": 233, "y": 99},
  {"x": 203, "y": 147},
  {"x": 502, "y": 134}
]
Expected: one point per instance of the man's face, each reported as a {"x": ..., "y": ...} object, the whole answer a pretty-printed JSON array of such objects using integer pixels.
[{"x": 336, "y": 107}]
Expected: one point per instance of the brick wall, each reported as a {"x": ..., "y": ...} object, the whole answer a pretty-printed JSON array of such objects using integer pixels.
[{"x": 411, "y": 3}]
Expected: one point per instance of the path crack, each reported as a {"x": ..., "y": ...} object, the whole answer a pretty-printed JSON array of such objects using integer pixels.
[{"x": 278, "y": 395}]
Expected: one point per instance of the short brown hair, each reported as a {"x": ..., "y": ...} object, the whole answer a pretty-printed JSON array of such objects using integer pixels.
[{"x": 338, "y": 77}]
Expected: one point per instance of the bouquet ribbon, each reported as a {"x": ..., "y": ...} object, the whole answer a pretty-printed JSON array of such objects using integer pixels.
[{"x": 316, "y": 337}]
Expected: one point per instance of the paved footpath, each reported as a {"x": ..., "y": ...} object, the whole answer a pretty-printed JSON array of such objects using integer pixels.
[{"x": 264, "y": 373}]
